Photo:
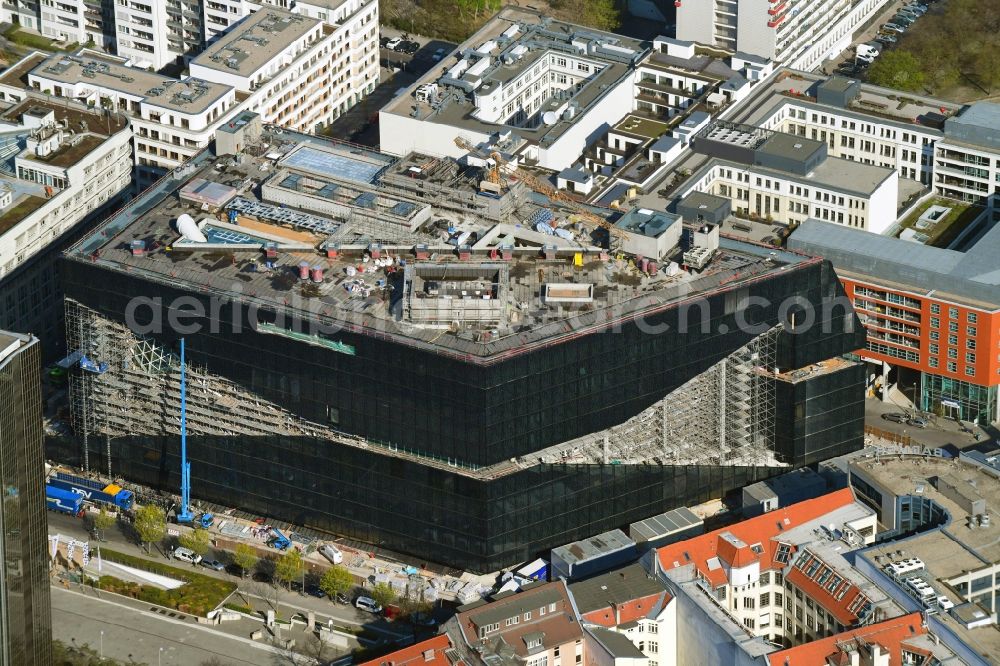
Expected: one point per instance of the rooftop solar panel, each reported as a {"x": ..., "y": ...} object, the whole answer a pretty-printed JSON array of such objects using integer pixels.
[{"x": 365, "y": 200}]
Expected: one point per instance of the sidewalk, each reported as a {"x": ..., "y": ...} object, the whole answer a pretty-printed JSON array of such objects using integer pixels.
[{"x": 941, "y": 431}]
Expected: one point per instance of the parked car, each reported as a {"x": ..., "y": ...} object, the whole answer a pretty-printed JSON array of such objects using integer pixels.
[
  {"x": 892, "y": 27},
  {"x": 367, "y": 604},
  {"x": 886, "y": 39},
  {"x": 917, "y": 422},
  {"x": 903, "y": 20},
  {"x": 187, "y": 555},
  {"x": 214, "y": 565},
  {"x": 895, "y": 418},
  {"x": 867, "y": 50},
  {"x": 383, "y": 41},
  {"x": 315, "y": 591},
  {"x": 393, "y": 43},
  {"x": 332, "y": 553},
  {"x": 342, "y": 598},
  {"x": 440, "y": 53}
]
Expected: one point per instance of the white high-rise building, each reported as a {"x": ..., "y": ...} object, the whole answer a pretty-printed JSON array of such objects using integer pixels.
[
  {"x": 156, "y": 33},
  {"x": 797, "y": 33}
]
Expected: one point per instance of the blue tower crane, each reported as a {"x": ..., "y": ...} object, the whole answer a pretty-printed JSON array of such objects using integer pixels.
[{"x": 184, "y": 515}]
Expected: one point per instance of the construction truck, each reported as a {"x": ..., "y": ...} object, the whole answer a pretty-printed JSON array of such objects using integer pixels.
[
  {"x": 63, "y": 501},
  {"x": 90, "y": 490},
  {"x": 206, "y": 520},
  {"x": 278, "y": 540}
]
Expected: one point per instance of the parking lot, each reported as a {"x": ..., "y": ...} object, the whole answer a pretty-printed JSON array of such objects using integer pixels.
[{"x": 876, "y": 38}]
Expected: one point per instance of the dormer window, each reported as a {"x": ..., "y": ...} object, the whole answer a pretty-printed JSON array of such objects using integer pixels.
[{"x": 534, "y": 643}]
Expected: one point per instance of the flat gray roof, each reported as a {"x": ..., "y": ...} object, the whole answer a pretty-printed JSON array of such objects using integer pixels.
[
  {"x": 541, "y": 36},
  {"x": 614, "y": 587},
  {"x": 595, "y": 546},
  {"x": 973, "y": 276},
  {"x": 619, "y": 645},
  {"x": 189, "y": 95},
  {"x": 978, "y": 124},
  {"x": 665, "y": 524},
  {"x": 253, "y": 42}
]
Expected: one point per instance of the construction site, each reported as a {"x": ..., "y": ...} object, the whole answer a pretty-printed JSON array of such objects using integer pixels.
[{"x": 447, "y": 358}]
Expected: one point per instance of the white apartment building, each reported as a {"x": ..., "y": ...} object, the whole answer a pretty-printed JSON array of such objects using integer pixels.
[
  {"x": 548, "y": 86},
  {"x": 967, "y": 159},
  {"x": 294, "y": 70},
  {"x": 61, "y": 164},
  {"x": 171, "y": 119},
  {"x": 786, "y": 179},
  {"x": 156, "y": 33},
  {"x": 797, "y": 33}
]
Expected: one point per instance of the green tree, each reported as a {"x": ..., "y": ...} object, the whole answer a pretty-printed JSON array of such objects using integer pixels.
[
  {"x": 601, "y": 14},
  {"x": 150, "y": 524},
  {"x": 897, "y": 69},
  {"x": 245, "y": 557},
  {"x": 196, "y": 540},
  {"x": 289, "y": 566},
  {"x": 383, "y": 594},
  {"x": 103, "y": 521},
  {"x": 336, "y": 580}
]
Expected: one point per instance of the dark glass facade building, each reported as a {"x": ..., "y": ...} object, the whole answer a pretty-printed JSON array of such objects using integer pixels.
[
  {"x": 436, "y": 476},
  {"x": 25, "y": 604}
]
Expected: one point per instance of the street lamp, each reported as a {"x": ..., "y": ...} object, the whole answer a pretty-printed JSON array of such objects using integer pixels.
[
  {"x": 159, "y": 658},
  {"x": 102, "y": 644}
]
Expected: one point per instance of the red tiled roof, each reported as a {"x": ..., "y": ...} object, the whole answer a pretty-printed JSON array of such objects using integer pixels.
[
  {"x": 414, "y": 654},
  {"x": 629, "y": 611},
  {"x": 844, "y": 601},
  {"x": 890, "y": 634},
  {"x": 765, "y": 529}
]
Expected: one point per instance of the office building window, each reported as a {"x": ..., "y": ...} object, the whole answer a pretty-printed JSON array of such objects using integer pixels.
[
  {"x": 935, "y": 308},
  {"x": 953, "y": 326},
  {"x": 970, "y": 344},
  {"x": 934, "y": 348},
  {"x": 933, "y": 362},
  {"x": 952, "y": 339},
  {"x": 935, "y": 322},
  {"x": 970, "y": 357},
  {"x": 970, "y": 330},
  {"x": 952, "y": 366},
  {"x": 952, "y": 353},
  {"x": 953, "y": 313},
  {"x": 970, "y": 371},
  {"x": 935, "y": 335},
  {"x": 972, "y": 317}
]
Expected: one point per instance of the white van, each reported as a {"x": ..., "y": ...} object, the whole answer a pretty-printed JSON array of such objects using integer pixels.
[
  {"x": 187, "y": 555},
  {"x": 332, "y": 553},
  {"x": 867, "y": 51}
]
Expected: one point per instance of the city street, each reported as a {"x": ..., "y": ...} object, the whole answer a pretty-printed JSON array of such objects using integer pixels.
[
  {"x": 294, "y": 601},
  {"x": 143, "y": 637}
]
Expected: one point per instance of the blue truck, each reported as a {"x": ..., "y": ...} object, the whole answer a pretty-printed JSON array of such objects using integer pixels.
[
  {"x": 63, "y": 501},
  {"x": 94, "y": 491},
  {"x": 278, "y": 540}
]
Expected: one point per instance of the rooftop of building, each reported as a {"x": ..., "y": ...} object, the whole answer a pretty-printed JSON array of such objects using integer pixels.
[
  {"x": 544, "y": 619},
  {"x": 189, "y": 95},
  {"x": 430, "y": 652},
  {"x": 978, "y": 124},
  {"x": 595, "y": 546},
  {"x": 971, "y": 277},
  {"x": 903, "y": 110},
  {"x": 252, "y": 43},
  {"x": 17, "y": 74},
  {"x": 515, "y": 39},
  {"x": 906, "y": 633},
  {"x": 11, "y": 342},
  {"x": 360, "y": 299},
  {"x": 617, "y": 644},
  {"x": 623, "y": 590},
  {"x": 757, "y": 538},
  {"x": 957, "y": 547},
  {"x": 81, "y": 132}
]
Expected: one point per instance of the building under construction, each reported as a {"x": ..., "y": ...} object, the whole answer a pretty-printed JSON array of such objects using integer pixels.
[{"x": 392, "y": 351}]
